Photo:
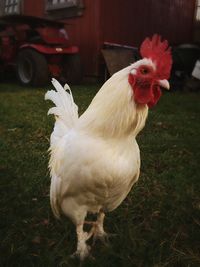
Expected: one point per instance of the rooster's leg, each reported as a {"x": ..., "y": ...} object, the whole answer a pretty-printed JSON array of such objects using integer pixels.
[
  {"x": 99, "y": 232},
  {"x": 82, "y": 248},
  {"x": 100, "y": 221}
]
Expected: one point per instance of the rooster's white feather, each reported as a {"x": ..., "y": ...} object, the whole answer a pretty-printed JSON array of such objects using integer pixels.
[{"x": 66, "y": 115}]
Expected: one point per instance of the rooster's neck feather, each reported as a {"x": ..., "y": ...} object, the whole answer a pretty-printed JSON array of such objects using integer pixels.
[{"x": 113, "y": 112}]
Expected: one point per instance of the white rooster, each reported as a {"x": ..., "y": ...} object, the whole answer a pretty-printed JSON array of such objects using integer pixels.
[{"x": 95, "y": 159}]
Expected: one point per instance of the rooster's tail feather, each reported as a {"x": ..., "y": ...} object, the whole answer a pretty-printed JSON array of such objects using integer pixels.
[
  {"x": 65, "y": 110},
  {"x": 66, "y": 115}
]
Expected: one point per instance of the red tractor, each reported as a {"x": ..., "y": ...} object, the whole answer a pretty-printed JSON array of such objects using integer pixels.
[{"x": 37, "y": 49}]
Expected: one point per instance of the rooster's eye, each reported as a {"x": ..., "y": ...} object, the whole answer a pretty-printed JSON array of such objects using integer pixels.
[{"x": 144, "y": 71}]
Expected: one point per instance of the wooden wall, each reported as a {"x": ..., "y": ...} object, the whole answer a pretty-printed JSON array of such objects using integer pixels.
[
  {"x": 124, "y": 22},
  {"x": 33, "y": 7},
  {"x": 129, "y": 22},
  {"x": 133, "y": 20},
  {"x": 85, "y": 31}
]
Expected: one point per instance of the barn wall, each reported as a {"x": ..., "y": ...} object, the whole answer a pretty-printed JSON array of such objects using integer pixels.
[
  {"x": 85, "y": 31},
  {"x": 133, "y": 20},
  {"x": 129, "y": 22},
  {"x": 125, "y": 22},
  {"x": 33, "y": 7}
]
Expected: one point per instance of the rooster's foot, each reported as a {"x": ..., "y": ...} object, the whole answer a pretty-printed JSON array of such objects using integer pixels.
[
  {"x": 103, "y": 237},
  {"x": 82, "y": 252}
]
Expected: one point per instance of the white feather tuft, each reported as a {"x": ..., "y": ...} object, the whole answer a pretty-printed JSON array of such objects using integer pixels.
[
  {"x": 66, "y": 115},
  {"x": 65, "y": 110}
]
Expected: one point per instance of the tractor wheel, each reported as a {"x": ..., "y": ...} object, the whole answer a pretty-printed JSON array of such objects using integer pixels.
[
  {"x": 32, "y": 68},
  {"x": 73, "y": 69}
]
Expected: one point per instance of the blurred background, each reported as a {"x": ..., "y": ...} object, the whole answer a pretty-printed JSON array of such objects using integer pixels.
[{"x": 90, "y": 40}]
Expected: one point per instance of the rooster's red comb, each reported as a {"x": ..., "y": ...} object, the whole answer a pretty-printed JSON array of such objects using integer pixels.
[{"x": 160, "y": 53}]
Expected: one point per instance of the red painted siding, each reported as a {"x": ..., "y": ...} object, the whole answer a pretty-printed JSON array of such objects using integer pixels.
[
  {"x": 129, "y": 22},
  {"x": 85, "y": 32},
  {"x": 34, "y": 8},
  {"x": 125, "y": 22}
]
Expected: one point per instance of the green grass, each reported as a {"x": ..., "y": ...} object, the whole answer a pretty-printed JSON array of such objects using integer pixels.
[{"x": 157, "y": 225}]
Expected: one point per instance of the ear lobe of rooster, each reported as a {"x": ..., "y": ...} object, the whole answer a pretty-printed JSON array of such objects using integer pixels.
[{"x": 131, "y": 80}]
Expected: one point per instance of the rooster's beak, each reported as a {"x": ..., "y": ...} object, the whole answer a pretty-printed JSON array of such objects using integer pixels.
[{"x": 164, "y": 84}]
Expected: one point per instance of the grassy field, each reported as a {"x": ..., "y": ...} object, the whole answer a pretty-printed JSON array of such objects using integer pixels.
[{"x": 157, "y": 225}]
